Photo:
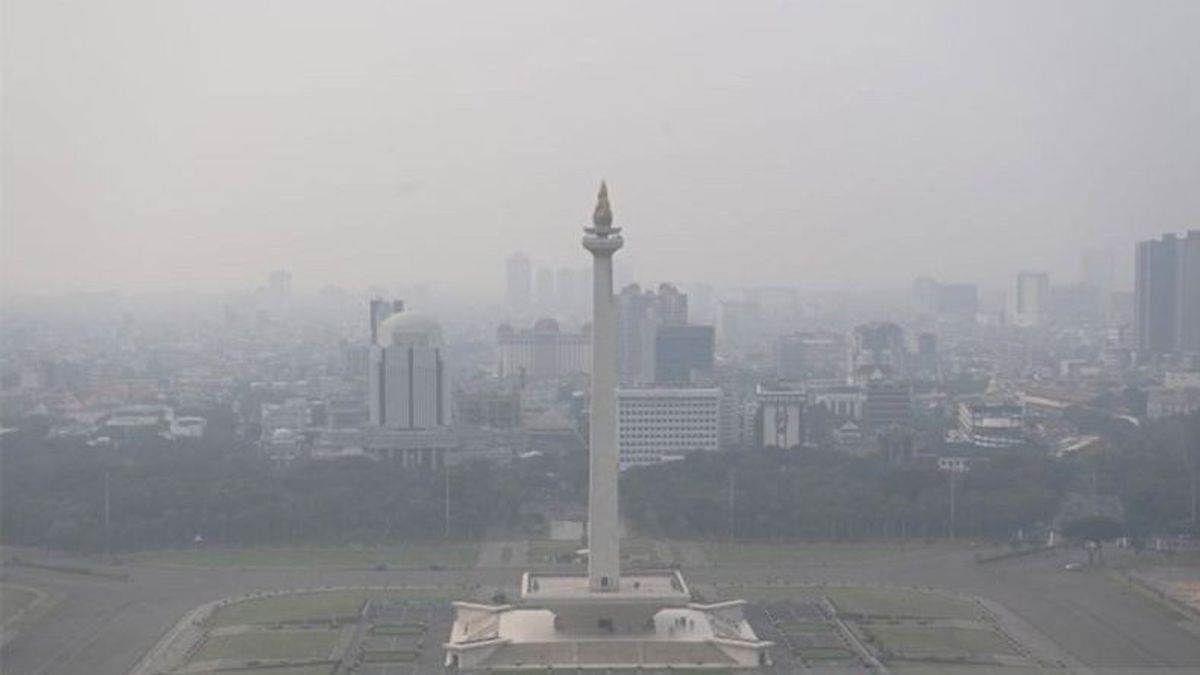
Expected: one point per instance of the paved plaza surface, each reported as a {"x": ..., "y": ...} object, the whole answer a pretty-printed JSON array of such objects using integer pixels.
[{"x": 102, "y": 625}]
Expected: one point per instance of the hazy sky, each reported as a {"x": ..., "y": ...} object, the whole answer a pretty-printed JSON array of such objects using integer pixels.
[{"x": 169, "y": 144}]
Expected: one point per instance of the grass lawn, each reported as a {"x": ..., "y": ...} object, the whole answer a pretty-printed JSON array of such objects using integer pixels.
[
  {"x": 548, "y": 550},
  {"x": 727, "y": 554},
  {"x": 825, "y": 654},
  {"x": 940, "y": 640},
  {"x": 295, "y": 670},
  {"x": 315, "y": 606},
  {"x": 899, "y": 602},
  {"x": 398, "y": 629},
  {"x": 411, "y": 555},
  {"x": 954, "y": 669},
  {"x": 14, "y": 600},
  {"x": 804, "y": 627},
  {"x": 639, "y": 549},
  {"x": 268, "y": 644}
]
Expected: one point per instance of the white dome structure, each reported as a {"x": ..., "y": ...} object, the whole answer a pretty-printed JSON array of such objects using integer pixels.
[{"x": 409, "y": 328}]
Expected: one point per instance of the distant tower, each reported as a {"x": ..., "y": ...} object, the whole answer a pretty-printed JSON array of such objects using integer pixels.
[
  {"x": 603, "y": 240},
  {"x": 519, "y": 279},
  {"x": 1031, "y": 305},
  {"x": 672, "y": 306}
]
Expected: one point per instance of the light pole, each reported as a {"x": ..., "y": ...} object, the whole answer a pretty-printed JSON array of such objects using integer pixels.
[
  {"x": 446, "y": 526},
  {"x": 953, "y": 475},
  {"x": 731, "y": 504}
]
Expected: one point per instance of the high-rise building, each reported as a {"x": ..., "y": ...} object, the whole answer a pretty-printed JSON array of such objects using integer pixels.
[
  {"x": 887, "y": 402},
  {"x": 683, "y": 354},
  {"x": 543, "y": 351},
  {"x": 958, "y": 300},
  {"x": 408, "y": 379},
  {"x": 1167, "y": 294},
  {"x": 661, "y": 423},
  {"x": 519, "y": 280},
  {"x": 925, "y": 290},
  {"x": 280, "y": 284},
  {"x": 672, "y": 306},
  {"x": 740, "y": 324},
  {"x": 641, "y": 316},
  {"x": 1031, "y": 304},
  {"x": 637, "y": 323},
  {"x": 800, "y": 356},
  {"x": 381, "y": 310},
  {"x": 878, "y": 347}
]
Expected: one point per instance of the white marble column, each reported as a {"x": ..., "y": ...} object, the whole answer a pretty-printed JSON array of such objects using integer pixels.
[{"x": 604, "y": 557}]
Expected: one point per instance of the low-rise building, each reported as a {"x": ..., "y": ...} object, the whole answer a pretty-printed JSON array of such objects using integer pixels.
[
  {"x": 992, "y": 426},
  {"x": 780, "y": 420},
  {"x": 1168, "y": 401}
]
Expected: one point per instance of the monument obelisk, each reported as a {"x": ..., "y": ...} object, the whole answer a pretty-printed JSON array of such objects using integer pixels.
[
  {"x": 568, "y": 622},
  {"x": 603, "y": 240}
]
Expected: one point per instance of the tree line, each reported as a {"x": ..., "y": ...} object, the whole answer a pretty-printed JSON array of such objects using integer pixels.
[{"x": 66, "y": 495}]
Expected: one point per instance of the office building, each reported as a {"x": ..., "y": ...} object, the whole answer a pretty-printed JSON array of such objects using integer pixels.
[
  {"x": 887, "y": 402},
  {"x": 408, "y": 382},
  {"x": 992, "y": 426},
  {"x": 656, "y": 424},
  {"x": 1030, "y": 305},
  {"x": 683, "y": 354},
  {"x": 671, "y": 305},
  {"x": 543, "y": 351},
  {"x": 801, "y": 356},
  {"x": 780, "y": 418},
  {"x": 1167, "y": 294},
  {"x": 878, "y": 347}
]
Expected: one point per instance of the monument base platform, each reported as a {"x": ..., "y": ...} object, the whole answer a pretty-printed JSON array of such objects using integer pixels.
[{"x": 648, "y": 623}]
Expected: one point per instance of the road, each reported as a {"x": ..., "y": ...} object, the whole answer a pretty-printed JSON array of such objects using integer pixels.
[{"x": 103, "y": 626}]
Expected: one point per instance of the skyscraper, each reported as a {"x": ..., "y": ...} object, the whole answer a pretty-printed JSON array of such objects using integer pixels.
[
  {"x": 519, "y": 281},
  {"x": 636, "y": 325},
  {"x": 683, "y": 354},
  {"x": 672, "y": 306},
  {"x": 1031, "y": 304},
  {"x": 408, "y": 380},
  {"x": 1167, "y": 294}
]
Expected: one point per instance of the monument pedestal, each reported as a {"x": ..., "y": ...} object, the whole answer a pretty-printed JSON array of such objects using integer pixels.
[{"x": 649, "y": 622}]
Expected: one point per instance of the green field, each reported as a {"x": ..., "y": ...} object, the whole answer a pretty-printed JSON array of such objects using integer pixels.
[
  {"x": 325, "y": 669},
  {"x": 727, "y": 554},
  {"x": 267, "y": 644},
  {"x": 546, "y": 551},
  {"x": 898, "y": 602},
  {"x": 966, "y": 669},
  {"x": 316, "y": 606},
  {"x": 414, "y": 555},
  {"x": 940, "y": 640},
  {"x": 14, "y": 600}
]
